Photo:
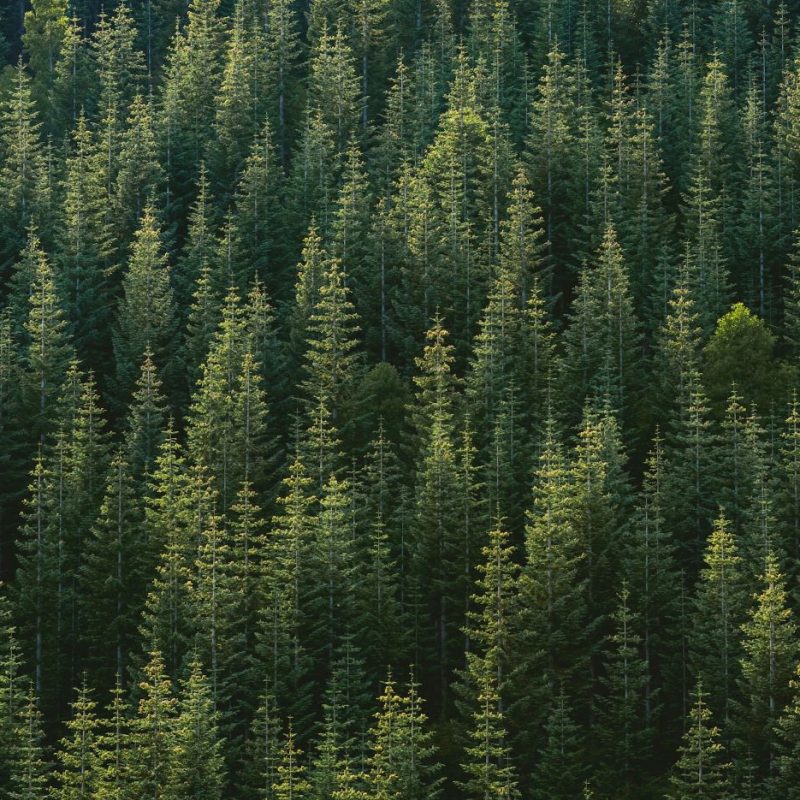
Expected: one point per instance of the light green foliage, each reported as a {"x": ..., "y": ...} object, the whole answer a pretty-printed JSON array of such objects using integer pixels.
[
  {"x": 702, "y": 770},
  {"x": 768, "y": 662},
  {"x": 742, "y": 351},
  {"x": 145, "y": 318}
]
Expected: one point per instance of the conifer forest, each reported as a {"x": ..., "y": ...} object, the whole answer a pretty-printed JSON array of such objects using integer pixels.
[{"x": 400, "y": 400}]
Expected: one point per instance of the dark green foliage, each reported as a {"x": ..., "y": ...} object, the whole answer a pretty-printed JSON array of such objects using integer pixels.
[{"x": 338, "y": 338}]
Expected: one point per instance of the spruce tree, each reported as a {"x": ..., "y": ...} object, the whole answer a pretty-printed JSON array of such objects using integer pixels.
[
  {"x": 333, "y": 366},
  {"x": 12, "y": 688},
  {"x": 145, "y": 318},
  {"x": 559, "y": 769},
  {"x": 701, "y": 770},
  {"x": 258, "y": 243},
  {"x": 602, "y": 342},
  {"x": 769, "y": 642},
  {"x": 651, "y": 572},
  {"x": 784, "y": 782},
  {"x": 489, "y": 773},
  {"x": 76, "y": 759},
  {"x": 150, "y": 744},
  {"x": 196, "y": 768},
  {"x": 720, "y": 609},
  {"x": 624, "y": 734},
  {"x": 139, "y": 176},
  {"x": 552, "y": 157},
  {"x": 553, "y": 641},
  {"x": 45, "y": 31},
  {"x": 438, "y": 546},
  {"x": 291, "y": 782},
  {"x": 113, "y": 578},
  {"x": 22, "y": 168},
  {"x": 29, "y": 768},
  {"x": 85, "y": 249},
  {"x": 47, "y": 351},
  {"x": 400, "y": 765},
  {"x": 146, "y": 421},
  {"x": 282, "y": 618},
  {"x": 282, "y": 85}
]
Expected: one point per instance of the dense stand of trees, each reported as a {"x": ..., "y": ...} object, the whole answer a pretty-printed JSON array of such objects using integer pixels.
[{"x": 399, "y": 400}]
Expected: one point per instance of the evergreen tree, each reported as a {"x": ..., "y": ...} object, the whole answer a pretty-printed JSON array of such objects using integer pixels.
[
  {"x": 239, "y": 106},
  {"x": 291, "y": 782},
  {"x": 282, "y": 617},
  {"x": 77, "y": 754},
  {"x": 258, "y": 243},
  {"x": 559, "y": 769},
  {"x": 552, "y": 642},
  {"x": 438, "y": 547},
  {"x": 146, "y": 420},
  {"x": 47, "y": 352},
  {"x": 651, "y": 572},
  {"x": 282, "y": 86},
  {"x": 487, "y": 766},
  {"x": 701, "y": 770},
  {"x": 145, "y": 318},
  {"x": 29, "y": 769},
  {"x": 114, "y": 574},
  {"x": 401, "y": 765},
  {"x": 45, "y": 31},
  {"x": 149, "y": 751},
  {"x": 784, "y": 783},
  {"x": 332, "y": 368},
  {"x": 178, "y": 504},
  {"x": 85, "y": 249},
  {"x": 720, "y": 609},
  {"x": 768, "y": 662},
  {"x": 552, "y": 156},
  {"x": 120, "y": 67},
  {"x": 623, "y": 733},
  {"x": 22, "y": 168},
  {"x": 139, "y": 176},
  {"x": 691, "y": 475},
  {"x": 12, "y": 689},
  {"x": 263, "y": 750},
  {"x": 192, "y": 77},
  {"x": 602, "y": 348},
  {"x": 196, "y": 769},
  {"x": 489, "y": 774}
]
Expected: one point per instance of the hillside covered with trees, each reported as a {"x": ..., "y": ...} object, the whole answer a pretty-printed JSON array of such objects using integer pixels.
[{"x": 399, "y": 400}]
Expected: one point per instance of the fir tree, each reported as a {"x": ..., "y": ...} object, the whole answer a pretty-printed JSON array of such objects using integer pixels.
[
  {"x": 29, "y": 769},
  {"x": 701, "y": 770},
  {"x": 47, "y": 352},
  {"x": 196, "y": 769},
  {"x": 77, "y": 754},
  {"x": 149, "y": 746},
  {"x": 720, "y": 608},
  {"x": 767, "y": 664},
  {"x": 623, "y": 733},
  {"x": 145, "y": 319},
  {"x": 785, "y": 782},
  {"x": 22, "y": 168},
  {"x": 401, "y": 764},
  {"x": 559, "y": 768},
  {"x": 602, "y": 348},
  {"x": 291, "y": 782}
]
